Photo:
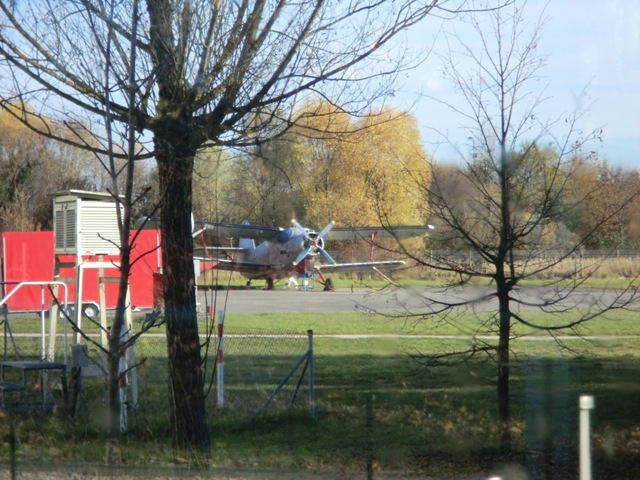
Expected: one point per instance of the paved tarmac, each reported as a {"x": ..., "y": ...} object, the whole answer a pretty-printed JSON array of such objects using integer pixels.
[{"x": 409, "y": 298}]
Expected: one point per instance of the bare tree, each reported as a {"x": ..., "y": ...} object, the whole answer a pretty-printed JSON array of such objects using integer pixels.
[
  {"x": 206, "y": 71},
  {"x": 510, "y": 195},
  {"x": 120, "y": 184},
  {"x": 124, "y": 202}
]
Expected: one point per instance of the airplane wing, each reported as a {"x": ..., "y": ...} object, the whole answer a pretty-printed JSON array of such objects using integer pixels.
[
  {"x": 220, "y": 230},
  {"x": 236, "y": 230},
  {"x": 366, "y": 233},
  {"x": 359, "y": 266},
  {"x": 255, "y": 270},
  {"x": 265, "y": 232}
]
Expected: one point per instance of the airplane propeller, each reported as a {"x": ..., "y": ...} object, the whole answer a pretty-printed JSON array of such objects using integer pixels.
[{"x": 314, "y": 243}]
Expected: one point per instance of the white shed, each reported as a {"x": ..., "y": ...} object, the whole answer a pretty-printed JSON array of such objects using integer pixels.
[{"x": 85, "y": 223}]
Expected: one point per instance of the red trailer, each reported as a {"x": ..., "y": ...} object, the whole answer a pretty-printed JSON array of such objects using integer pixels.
[{"x": 30, "y": 257}]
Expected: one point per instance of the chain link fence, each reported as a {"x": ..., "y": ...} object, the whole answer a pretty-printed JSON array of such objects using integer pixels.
[
  {"x": 265, "y": 369},
  {"x": 252, "y": 365}
]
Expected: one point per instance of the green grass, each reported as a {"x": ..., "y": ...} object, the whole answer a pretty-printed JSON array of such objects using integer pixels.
[
  {"x": 343, "y": 323},
  {"x": 377, "y": 408},
  {"x": 619, "y": 322}
]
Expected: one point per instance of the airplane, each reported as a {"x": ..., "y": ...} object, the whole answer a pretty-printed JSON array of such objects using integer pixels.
[{"x": 283, "y": 252}]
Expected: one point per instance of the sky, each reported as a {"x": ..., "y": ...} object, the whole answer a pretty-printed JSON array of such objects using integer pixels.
[{"x": 590, "y": 46}]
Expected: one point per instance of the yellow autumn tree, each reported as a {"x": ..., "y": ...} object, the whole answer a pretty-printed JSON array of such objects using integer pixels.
[
  {"x": 396, "y": 168},
  {"x": 359, "y": 171},
  {"x": 319, "y": 161}
]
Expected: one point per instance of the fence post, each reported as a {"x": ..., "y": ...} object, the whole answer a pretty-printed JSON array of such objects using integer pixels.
[
  {"x": 312, "y": 395},
  {"x": 220, "y": 361},
  {"x": 586, "y": 405}
]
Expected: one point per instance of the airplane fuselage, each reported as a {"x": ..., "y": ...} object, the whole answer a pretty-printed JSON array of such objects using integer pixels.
[{"x": 279, "y": 257}]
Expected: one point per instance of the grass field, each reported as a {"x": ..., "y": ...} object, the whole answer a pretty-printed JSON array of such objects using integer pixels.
[{"x": 378, "y": 412}]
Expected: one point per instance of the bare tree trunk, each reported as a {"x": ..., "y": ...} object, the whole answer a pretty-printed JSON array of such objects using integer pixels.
[
  {"x": 186, "y": 383},
  {"x": 503, "y": 373},
  {"x": 115, "y": 350},
  {"x": 504, "y": 314}
]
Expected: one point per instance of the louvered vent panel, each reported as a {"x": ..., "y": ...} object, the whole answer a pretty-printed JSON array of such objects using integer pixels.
[
  {"x": 99, "y": 232},
  {"x": 70, "y": 229},
  {"x": 60, "y": 230},
  {"x": 65, "y": 227}
]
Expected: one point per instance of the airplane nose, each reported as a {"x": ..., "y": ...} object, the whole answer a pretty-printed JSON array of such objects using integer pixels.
[{"x": 314, "y": 243}]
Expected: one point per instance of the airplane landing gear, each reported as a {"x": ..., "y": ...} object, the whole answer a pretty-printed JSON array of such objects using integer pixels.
[
  {"x": 328, "y": 285},
  {"x": 269, "y": 284}
]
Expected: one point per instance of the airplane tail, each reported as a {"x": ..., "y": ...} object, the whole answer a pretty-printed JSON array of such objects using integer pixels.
[{"x": 247, "y": 243}]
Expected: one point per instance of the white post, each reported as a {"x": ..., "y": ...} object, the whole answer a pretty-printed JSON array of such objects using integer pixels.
[
  {"x": 78, "y": 299},
  {"x": 131, "y": 353},
  {"x": 102, "y": 300},
  {"x": 220, "y": 360},
  {"x": 586, "y": 405},
  {"x": 122, "y": 381}
]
